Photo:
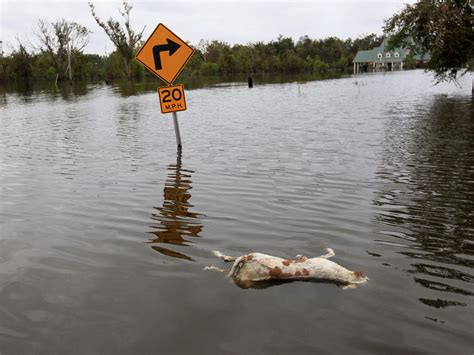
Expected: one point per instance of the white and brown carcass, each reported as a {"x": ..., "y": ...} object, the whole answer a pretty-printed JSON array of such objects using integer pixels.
[{"x": 260, "y": 270}]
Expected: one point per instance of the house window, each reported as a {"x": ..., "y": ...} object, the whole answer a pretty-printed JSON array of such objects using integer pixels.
[
  {"x": 396, "y": 55},
  {"x": 387, "y": 55},
  {"x": 379, "y": 56}
]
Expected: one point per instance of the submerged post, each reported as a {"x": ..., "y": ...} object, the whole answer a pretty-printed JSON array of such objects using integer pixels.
[
  {"x": 167, "y": 67},
  {"x": 176, "y": 130}
]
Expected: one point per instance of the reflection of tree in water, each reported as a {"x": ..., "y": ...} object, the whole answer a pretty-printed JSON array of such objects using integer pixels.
[
  {"x": 3, "y": 96},
  {"x": 427, "y": 198},
  {"x": 174, "y": 220},
  {"x": 62, "y": 91}
]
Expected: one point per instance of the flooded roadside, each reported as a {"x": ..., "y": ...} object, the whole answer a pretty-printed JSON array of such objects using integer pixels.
[{"x": 104, "y": 230}]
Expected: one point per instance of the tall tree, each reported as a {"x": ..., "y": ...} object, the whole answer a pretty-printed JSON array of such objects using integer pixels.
[
  {"x": 21, "y": 63},
  {"x": 442, "y": 27},
  {"x": 125, "y": 39},
  {"x": 62, "y": 41}
]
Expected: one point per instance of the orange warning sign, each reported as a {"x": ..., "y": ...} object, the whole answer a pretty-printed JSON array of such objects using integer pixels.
[
  {"x": 172, "y": 98},
  {"x": 164, "y": 54}
]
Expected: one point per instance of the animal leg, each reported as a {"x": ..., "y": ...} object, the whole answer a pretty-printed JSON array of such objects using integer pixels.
[
  {"x": 330, "y": 253},
  {"x": 301, "y": 257},
  {"x": 226, "y": 258},
  {"x": 213, "y": 268}
]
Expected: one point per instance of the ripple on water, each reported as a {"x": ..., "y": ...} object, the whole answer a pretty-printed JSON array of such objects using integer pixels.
[
  {"x": 104, "y": 231},
  {"x": 426, "y": 199}
]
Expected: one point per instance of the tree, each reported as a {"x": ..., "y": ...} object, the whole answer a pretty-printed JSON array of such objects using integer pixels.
[
  {"x": 125, "y": 39},
  {"x": 363, "y": 43},
  {"x": 21, "y": 63},
  {"x": 444, "y": 28},
  {"x": 62, "y": 41}
]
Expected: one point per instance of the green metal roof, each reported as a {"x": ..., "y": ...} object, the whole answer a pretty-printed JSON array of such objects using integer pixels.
[
  {"x": 363, "y": 56},
  {"x": 379, "y": 55}
]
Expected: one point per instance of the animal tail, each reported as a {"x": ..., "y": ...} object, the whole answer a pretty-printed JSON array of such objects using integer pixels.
[{"x": 329, "y": 254}]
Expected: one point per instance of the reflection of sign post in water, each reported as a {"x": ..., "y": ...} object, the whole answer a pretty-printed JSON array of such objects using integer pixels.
[
  {"x": 165, "y": 55},
  {"x": 175, "y": 220}
]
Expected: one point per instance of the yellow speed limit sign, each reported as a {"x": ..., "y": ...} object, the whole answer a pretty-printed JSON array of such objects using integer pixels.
[{"x": 172, "y": 98}]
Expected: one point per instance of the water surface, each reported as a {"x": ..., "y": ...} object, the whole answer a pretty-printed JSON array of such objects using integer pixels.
[{"x": 105, "y": 229}]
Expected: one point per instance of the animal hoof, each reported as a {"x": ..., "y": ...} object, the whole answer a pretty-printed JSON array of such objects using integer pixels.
[{"x": 213, "y": 268}]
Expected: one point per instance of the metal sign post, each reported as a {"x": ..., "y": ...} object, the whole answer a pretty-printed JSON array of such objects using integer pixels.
[
  {"x": 172, "y": 100},
  {"x": 176, "y": 130},
  {"x": 165, "y": 55}
]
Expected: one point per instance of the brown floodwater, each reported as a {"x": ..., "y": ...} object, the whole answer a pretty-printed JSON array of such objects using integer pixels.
[{"x": 105, "y": 229}]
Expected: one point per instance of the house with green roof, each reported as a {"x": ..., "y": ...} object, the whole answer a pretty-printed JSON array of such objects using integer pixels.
[{"x": 380, "y": 58}]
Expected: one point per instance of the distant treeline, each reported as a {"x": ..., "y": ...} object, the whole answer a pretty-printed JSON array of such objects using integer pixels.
[{"x": 214, "y": 58}]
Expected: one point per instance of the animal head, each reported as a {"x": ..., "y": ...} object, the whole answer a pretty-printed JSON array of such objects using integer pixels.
[{"x": 359, "y": 278}]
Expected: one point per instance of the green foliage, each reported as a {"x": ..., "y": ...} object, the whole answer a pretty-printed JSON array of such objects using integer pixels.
[
  {"x": 42, "y": 67},
  {"x": 210, "y": 69},
  {"x": 61, "y": 42},
  {"x": 212, "y": 58},
  {"x": 319, "y": 66},
  {"x": 363, "y": 43},
  {"x": 19, "y": 64},
  {"x": 280, "y": 56},
  {"x": 125, "y": 39},
  {"x": 194, "y": 65},
  {"x": 90, "y": 67},
  {"x": 442, "y": 27},
  {"x": 114, "y": 67}
]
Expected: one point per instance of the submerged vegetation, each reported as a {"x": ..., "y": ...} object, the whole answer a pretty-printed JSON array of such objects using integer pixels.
[
  {"x": 442, "y": 28},
  {"x": 60, "y": 54},
  {"x": 211, "y": 58}
]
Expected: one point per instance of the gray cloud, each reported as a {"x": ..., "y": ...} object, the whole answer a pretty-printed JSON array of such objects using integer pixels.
[{"x": 230, "y": 21}]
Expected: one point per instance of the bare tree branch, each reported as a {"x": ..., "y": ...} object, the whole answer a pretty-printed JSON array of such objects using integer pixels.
[
  {"x": 57, "y": 38},
  {"x": 125, "y": 39}
]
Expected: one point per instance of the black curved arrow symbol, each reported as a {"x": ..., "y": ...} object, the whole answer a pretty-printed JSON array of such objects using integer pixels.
[{"x": 172, "y": 47}]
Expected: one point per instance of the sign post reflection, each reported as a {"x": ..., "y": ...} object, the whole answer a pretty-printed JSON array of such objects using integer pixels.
[{"x": 175, "y": 222}]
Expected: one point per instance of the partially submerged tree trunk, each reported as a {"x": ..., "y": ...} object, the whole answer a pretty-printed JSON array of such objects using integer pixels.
[{"x": 61, "y": 40}]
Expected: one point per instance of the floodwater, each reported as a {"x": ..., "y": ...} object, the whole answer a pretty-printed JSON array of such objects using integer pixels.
[{"x": 105, "y": 230}]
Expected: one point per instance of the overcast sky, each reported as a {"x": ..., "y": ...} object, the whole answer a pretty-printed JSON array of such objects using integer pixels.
[{"x": 229, "y": 21}]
